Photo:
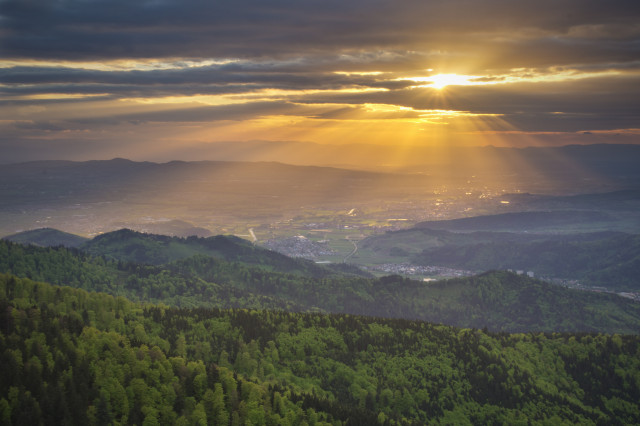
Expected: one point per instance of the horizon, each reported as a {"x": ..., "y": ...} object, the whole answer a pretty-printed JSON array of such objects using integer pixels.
[{"x": 307, "y": 154}]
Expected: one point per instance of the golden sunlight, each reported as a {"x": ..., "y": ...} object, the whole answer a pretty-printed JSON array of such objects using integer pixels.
[{"x": 440, "y": 81}]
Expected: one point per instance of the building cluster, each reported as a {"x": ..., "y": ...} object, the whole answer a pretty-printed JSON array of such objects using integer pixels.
[
  {"x": 530, "y": 274},
  {"x": 410, "y": 269},
  {"x": 299, "y": 246}
]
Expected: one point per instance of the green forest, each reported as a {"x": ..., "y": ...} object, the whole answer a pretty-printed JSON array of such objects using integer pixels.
[
  {"x": 612, "y": 262},
  {"x": 255, "y": 278},
  {"x": 76, "y": 357},
  {"x": 607, "y": 259},
  {"x": 138, "y": 329}
]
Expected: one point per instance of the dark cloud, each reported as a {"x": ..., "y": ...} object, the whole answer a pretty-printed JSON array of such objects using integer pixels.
[
  {"x": 212, "y": 76},
  {"x": 256, "y": 29},
  {"x": 236, "y": 112},
  {"x": 600, "y": 103},
  {"x": 41, "y": 125}
]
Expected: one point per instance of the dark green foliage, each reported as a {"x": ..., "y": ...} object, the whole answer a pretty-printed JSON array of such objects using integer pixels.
[
  {"x": 130, "y": 246},
  {"x": 47, "y": 237},
  {"x": 69, "y": 356},
  {"x": 115, "y": 368},
  {"x": 496, "y": 300},
  {"x": 610, "y": 261}
]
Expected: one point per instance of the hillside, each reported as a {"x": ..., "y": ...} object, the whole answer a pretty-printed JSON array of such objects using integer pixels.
[
  {"x": 129, "y": 246},
  {"x": 615, "y": 201},
  {"x": 87, "y": 358},
  {"x": 603, "y": 259},
  {"x": 612, "y": 262},
  {"x": 407, "y": 242},
  {"x": 47, "y": 237},
  {"x": 521, "y": 221},
  {"x": 500, "y": 301},
  {"x": 526, "y": 212}
]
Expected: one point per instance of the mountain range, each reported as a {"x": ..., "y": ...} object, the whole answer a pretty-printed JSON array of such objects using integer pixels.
[
  {"x": 138, "y": 328},
  {"x": 203, "y": 197},
  {"x": 230, "y": 272}
]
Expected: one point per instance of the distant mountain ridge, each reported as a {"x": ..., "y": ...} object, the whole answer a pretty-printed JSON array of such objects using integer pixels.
[
  {"x": 609, "y": 159},
  {"x": 169, "y": 186},
  {"x": 519, "y": 221},
  {"x": 103, "y": 195},
  {"x": 126, "y": 245}
]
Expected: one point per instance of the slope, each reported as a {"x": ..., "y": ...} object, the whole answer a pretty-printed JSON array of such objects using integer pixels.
[
  {"x": 47, "y": 237},
  {"x": 129, "y": 246},
  {"x": 521, "y": 221},
  {"x": 604, "y": 259},
  {"x": 612, "y": 262},
  {"x": 74, "y": 357},
  {"x": 497, "y": 300}
]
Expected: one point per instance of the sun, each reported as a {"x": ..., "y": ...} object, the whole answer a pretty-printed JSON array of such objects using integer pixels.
[{"x": 440, "y": 81}]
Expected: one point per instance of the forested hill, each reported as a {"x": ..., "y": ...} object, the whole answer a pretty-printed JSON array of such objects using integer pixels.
[
  {"x": 72, "y": 357},
  {"x": 126, "y": 245},
  {"x": 496, "y": 300},
  {"x": 608, "y": 261},
  {"x": 519, "y": 221},
  {"x": 47, "y": 237}
]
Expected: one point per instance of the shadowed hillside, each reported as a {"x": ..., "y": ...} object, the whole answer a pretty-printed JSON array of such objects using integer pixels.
[{"x": 496, "y": 300}]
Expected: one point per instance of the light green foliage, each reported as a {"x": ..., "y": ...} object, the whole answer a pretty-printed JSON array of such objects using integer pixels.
[{"x": 322, "y": 369}]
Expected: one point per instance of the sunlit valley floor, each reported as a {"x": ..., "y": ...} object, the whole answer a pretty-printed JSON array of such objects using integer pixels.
[{"x": 532, "y": 198}]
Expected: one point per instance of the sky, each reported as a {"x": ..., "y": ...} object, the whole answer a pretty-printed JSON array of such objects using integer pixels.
[{"x": 160, "y": 79}]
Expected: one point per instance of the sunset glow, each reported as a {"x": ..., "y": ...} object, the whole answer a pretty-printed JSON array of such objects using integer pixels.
[
  {"x": 432, "y": 76},
  {"x": 441, "y": 81}
]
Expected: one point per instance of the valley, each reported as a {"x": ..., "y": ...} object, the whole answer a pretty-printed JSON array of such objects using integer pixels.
[
  {"x": 385, "y": 222},
  {"x": 245, "y": 283}
]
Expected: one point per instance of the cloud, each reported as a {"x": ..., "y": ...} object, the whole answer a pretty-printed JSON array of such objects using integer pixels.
[
  {"x": 93, "y": 65},
  {"x": 257, "y": 29}
]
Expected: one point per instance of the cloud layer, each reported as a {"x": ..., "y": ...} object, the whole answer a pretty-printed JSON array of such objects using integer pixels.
[{"x": 123, "y": 73}]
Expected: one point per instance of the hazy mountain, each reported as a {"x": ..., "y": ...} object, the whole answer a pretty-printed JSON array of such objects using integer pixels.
[
  {"x": 612, "y": 262},
  {"x": 609, "y": 160},
  {"x": 415, "y": 240},
  {"x": 47, "y": 237},
  {"x": 172, "y": 227},
  {"x": 521, "y": 221},
  {"x": 607, "y": 259},
  {"x": 98, "y": 196}
]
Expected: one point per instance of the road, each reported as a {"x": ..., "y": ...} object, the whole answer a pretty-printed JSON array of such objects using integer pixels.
[{"x": 355, "y": 249}]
